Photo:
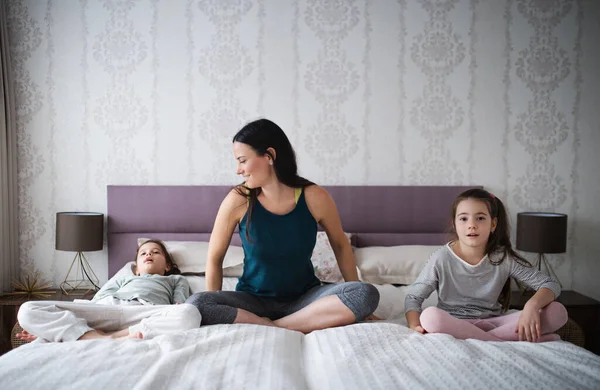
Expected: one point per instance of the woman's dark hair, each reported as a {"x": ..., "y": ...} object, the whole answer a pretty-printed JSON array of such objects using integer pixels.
[
  {"x": 498, "y": 246},
  {"x": 261, "y": 135},
  {"x": 174, "y": 268}
]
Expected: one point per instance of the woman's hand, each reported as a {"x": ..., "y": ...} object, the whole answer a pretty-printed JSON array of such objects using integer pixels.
[
  {"x": 26, "y": 336},
  {"x": 529, "y": 327},
  {"x": 373, "y": 317}
]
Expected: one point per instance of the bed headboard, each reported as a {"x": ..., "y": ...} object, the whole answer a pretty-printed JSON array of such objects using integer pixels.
[{"x": 376, "y": 215}]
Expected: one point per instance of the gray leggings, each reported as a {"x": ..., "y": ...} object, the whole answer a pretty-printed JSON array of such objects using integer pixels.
[{"x": 220, "y": 307}]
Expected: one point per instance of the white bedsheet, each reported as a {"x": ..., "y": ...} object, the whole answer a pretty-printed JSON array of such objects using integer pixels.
[
  {"x": 380, "y": 355},
  {"x": 361, "y": 356}
]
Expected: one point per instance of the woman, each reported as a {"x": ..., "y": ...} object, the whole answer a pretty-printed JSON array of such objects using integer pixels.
[{"x": 277, "y": 212}]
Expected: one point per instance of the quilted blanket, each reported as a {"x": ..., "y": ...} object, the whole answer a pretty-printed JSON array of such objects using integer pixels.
[{"x": 380, "y": 355}]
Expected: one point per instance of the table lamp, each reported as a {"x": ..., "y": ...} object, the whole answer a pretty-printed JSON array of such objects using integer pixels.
[
  {"x": 542, "y": 233},
  {"x": 79, "y": 232}
]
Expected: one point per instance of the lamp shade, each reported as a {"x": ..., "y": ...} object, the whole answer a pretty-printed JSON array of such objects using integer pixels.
[
  {"x": 542, "y": 232},
  {"x": 79, "y": 231}
]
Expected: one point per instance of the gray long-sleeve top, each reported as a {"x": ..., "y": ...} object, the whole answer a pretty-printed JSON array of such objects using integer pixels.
[
  {"x": 470, "y": 291},
  {"x": 148, "y": 289}
]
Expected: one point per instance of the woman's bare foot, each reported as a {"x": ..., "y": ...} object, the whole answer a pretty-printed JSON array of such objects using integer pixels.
[
  {"x": 268, "y": 322},
  {"x": 246, "y": 317}
]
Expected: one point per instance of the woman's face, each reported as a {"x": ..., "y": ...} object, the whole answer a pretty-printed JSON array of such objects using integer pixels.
[{"x": 255, "y": 169}]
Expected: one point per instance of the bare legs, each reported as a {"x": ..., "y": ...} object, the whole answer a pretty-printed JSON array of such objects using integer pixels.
[
  {"x": 324, "y": 313},
  {"x": 246, "y": 317}
]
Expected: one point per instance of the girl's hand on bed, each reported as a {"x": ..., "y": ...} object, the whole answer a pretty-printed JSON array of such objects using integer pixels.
[
  {"x": 373, "y": 317},
  {"x": 528, "y": 326},
  {"x": 26, "y": 336},
  {"x": 418, "y": 328}
]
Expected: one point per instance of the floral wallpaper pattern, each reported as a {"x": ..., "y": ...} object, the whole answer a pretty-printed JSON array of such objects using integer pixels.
[{"x": 424, "y": 92}]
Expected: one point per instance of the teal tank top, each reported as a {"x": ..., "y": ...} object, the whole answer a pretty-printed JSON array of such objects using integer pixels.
[{"x": 277, "y": 258}]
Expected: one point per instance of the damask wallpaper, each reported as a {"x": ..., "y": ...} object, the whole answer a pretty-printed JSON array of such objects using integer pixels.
[{"x": 502, "y": 94}]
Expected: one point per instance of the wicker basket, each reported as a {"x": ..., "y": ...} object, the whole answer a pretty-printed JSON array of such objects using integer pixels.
[
  {"x": 14, "y": 340},
  {"x": 572, "y": 333}
]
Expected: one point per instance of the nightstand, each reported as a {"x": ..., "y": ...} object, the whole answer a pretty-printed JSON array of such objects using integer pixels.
[
  {"x": 9, "y": 307},
  {"x": 583, "y": 310}
]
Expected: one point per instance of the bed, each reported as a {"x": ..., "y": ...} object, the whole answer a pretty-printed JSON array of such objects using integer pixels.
[{"x": 378, "y": 355}]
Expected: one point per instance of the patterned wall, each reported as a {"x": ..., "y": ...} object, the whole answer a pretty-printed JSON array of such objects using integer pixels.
[{"x": 407, "y": 92}]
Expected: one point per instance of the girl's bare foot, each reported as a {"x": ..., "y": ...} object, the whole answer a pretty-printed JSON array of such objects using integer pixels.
[
  {"x": 120, "y": 334},
  {"x": 26, "y": 336},
  {"x": 93, "y": 334},
  {"x": 135, "y": 335}
]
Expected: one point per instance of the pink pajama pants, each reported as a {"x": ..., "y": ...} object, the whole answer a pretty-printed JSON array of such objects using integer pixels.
[{"x": 501, "y": 328}]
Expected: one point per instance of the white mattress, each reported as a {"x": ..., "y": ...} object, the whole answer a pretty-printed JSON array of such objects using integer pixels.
[
  {"x": 368, "y": 355},
  {"x": 379, "y": 355}
]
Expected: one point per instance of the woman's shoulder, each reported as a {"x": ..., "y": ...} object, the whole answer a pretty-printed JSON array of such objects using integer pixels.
[
  {"x": 238, "y": 192},
  {"x": 316, "y": 192},
  {"x": 235, "y": 198},
  {"x": 319, "y": 202}
]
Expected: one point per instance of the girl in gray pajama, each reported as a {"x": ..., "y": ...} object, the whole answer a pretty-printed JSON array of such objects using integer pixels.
[
  {"x": 472, "y": 272},
  {"x": 137, "y": 306}
]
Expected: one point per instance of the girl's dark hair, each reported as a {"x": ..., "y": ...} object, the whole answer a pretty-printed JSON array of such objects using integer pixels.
[
  {"x": 261, "y": 135},
  {"x": 174, "y": 268},
  {"x": 498, "y": 246}
]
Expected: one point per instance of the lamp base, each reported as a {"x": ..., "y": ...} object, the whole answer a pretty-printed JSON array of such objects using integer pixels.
[
  {"x": 84, "y": 277},
  {"x": 549, "y": 271}
]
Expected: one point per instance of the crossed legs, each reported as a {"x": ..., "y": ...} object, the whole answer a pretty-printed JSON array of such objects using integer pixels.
[
  {"x": 319, "y": 308},
  {"x": 67, "y": 321},
  {"x": 501, "y": 328}
]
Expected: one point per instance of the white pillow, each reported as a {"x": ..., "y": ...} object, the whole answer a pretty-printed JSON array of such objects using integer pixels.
[
  {"x": 191, "y": 256},
  {"x": 391, "y": 302},
  {"x": 324, "y": 262},
  {"x": 235, "y": 271},
  {"x": 393, "y": 264},
  {"x": 126, "y": 270}
]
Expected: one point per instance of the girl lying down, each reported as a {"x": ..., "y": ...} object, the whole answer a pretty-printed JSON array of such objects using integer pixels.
[{"x": 138, "y": 306}]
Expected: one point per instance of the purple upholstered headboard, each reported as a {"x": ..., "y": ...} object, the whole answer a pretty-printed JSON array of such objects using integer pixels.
[{"x": 377, "y": 215}]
